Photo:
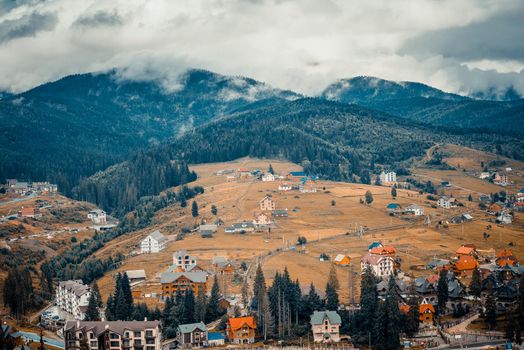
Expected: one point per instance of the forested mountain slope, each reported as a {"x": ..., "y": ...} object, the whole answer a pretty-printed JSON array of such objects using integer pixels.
[
  {"x": 68, "y": 129},
  {"x": 429, "y": 105}
]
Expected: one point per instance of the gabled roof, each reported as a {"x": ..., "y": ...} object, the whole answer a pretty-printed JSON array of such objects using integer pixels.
[
  {"x": 340, "y": 257},
  {"x": 318, "y": 317},
  {"x": 465, "y": 250},
  {"x": 413, "y": 207},
  {"x": 191, "y": 327},
  {"x": 426, "y": 308},
  {"x": 238, "y": 322},
  {"x": 193, "y": 276},
  {"x": 374, "y": 245},
  {"x": 119, "y": 327},
  {"x": 136, "y": 274},
  {"x": 385, "y": 250},
  {"x": 157, "y": 236},
  {"x": 466, "y": 262}
]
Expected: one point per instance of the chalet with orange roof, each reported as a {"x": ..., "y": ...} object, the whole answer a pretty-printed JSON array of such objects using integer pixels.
[
  {"x": 241, "y": 330},
  {"x": 465, "y": 264},
  {"x": 505, "y": 257},
  {"x": 30, "y": 212},
  {"x": 385, "y": 250},
  {"x": 467, "y": 249},
  {"x": 494, "y": 208},
  {"x": 342, "y": 259},
  {"x": 426, "y": 312}
]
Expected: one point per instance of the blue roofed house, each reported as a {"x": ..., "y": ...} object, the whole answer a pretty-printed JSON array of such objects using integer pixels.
[
  {"x": 375, "y": 245},
  {"x": 215, "y": 339},
  {"x": 294, "y": 175},
  {"x": 325, "y": 326},
  {"x": 192, "y": 335},
  {"x": 393, "y": 208}
]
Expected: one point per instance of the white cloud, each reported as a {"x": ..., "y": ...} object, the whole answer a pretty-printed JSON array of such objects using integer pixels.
[{"x": 298, "y": 45}]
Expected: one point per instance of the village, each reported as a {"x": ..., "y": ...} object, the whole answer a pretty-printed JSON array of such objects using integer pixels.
[{"x": 226, "y": 243}]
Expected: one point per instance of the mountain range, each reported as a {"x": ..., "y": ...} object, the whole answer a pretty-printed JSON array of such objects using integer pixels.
[{"x": 69, "y": 129}]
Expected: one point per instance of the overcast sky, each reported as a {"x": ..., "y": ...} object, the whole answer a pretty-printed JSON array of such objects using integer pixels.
[{"x": 459, "y": 46}]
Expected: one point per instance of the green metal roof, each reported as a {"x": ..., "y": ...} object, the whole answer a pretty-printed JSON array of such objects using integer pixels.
[{"x": 318, "y": 317}]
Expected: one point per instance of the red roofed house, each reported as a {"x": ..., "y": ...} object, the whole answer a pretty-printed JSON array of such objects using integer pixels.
[
  {"x": 386, "y": 250},
  {"x": 426, "y": 312},
  {"x": 465, "y": 264},
  {"x": 382, "y": 265},
  {"x": 30, "y": 212},
  {"x": 241, "y": 330},
  {"x": 467, "y": 249},
  {"x": 505, "y": 257}
]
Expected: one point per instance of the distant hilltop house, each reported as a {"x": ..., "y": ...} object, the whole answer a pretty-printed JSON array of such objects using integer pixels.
[
  {"x": 267, "y": 204},
  {"x": 501, "y": 179},
  {"x": 240, "y": 227},
  {"x": 381, "y": 265},
  {"x": 30, "y": 212},
  {"x": 296, "y": 175},
  {"x": 484, "y": 175},
  {"x": 223, "y": 266},
  {"x": 325, "y": 326},
  {"x": 241, "y": 330},
  {"x": 393, "y": 208},
  {"x": 342, "y": 259},
  {"x": 136, "y": 276},
  {"x": 153, "y": 243},
  {"x": 414, "y": 210},
  {"x": 97, "y": 216},
  {"x": 447, "y": 202},
  {"x": 285, "y": 186},
  {"x": 183, "y": 261},
  {"x": 268, "y": 177},
  {"x": 174, "y": 282},
  {"x": 389, "y": 177},
  {"x": 308, "y": 185},
  {"x": 72, "y": 297},
  {"x": 113, "y": 335},
  {"x": 22, "y": 187},
  {"x": 279, "y": 213}
]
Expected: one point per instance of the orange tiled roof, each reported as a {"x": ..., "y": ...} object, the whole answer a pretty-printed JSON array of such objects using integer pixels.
[
  {"x": 432, "y": 278},
  {"x": 495, "y": 207},
  {"x": 466, "y": 262},
  {"x": 423, "y": 308},
  {"x": 387, "y": 250},
  {"x": 465, "y": 250},
  {"x": 504, "y": 253},
  {"x": 27, "y": 211},
  {"x": 404, "y": 308},
  {"x": 237, "y": 322}
]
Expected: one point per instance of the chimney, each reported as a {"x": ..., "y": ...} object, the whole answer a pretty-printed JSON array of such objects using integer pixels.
[
  {"x": 107, "y": 326},
  {"x": 77, "y": 324},
  {"x": 145, "y": 319}
]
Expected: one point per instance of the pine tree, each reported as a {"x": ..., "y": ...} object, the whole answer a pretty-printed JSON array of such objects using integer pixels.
[
  {"x": 332, "y": 278},
  {"x": 470, "y": 198},
  {"x": 270, "y": 170},
  {"x": 200, "y": 307},
  {"x": 369, "y": 197},
  {"x": 313, "y": 299},
  {"x": 393, "y": 315},
  {"x": 214, "y": 210},
  {"x": 475, "y": 285},
  {"x": 189, "y": 307},
  {"x": 92, "y": 313},
  {"x": 259, "y": 290},
  {"x": 368, "y": 299},
  {"x": 245, "y": 293},
  {"x": 393, "y": 192},
  {"x": 491, "y": 309},
  {"x": 96, "y": 291},
  {"x": 212, "y": 306},
  {"x": 331, "y": 297},
  {"x": 128, "y": 295},
  {"x": 442, "y": 291},
  {"x": 194, "y": 209},
  {"x": 379, "y": 327},
  {"x": 412, "y": 319}
]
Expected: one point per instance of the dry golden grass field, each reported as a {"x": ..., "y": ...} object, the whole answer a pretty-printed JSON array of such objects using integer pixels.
[{"x": 328, "y": 228}]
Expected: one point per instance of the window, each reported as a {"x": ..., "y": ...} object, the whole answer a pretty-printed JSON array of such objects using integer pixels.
[
  {"x": 94, "y": 344},
  {"x": 115, "y": 344},
  {"x": 149, "y": 333},
  {"x": 113, "y": 336},
  {"x": 91, "y": 336},
  {"x": 126, "y": 334},
  {"x": 137, "y": 334},
  {"x": 150, "y": 348},
  {"x": 150, "y": 341},
  {"x": 138, "y": 342}
]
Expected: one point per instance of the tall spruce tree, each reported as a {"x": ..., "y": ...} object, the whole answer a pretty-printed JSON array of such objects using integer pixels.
[
  {"x": 379, "y": 328},
  {"x": 201, "y": 307},
  {"x": 313, "y": 300},
  {"x": 92, "y": 313},
  {"x": 475, "y": 285},
  {"x": 259, "y": 290},
  {"x": 270, "y": 170},
  {"x": 194, "y": 209},
  {"x": 393, "y": 315},
  {"x": 442, "y": 291},
  {"x": 332, "y": 301},
  {"x": 96, "y": 291},
  {"x": 491, "y": 309},
  {"x": 189, "y": 307},
  {"x": 394, "y": 192},
  {"x": 368, "y": 299},
  {"x": 412, "y": 319},
  {"x": 212, "y": 306},
  {"x": 332, "y": 278}
]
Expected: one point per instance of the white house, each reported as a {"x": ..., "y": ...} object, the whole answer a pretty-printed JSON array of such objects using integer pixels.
[
  {"x": 382, "y": 265},
  {"x": 97, "y": 216},
  {"x": 484, "y": 175},
  {"x": 73, "y": 297},
  {"x": 267, "y": 203},
  {"x": 388, "y": 177},
  {"x": 285, "y": 186},
  {"x": 415, "y": 210},
  {"x": 268, "y": 177},
  {"x": 153, "y": 243},
  {"x": 504, "y": 218},
  {"x": 183, "y": 261},
  {"x": 447, "y": 202},
  {"x": 325, "y": 326}
]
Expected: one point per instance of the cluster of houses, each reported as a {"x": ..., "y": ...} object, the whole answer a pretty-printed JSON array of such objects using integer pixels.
[
  {"x": 498, "y": 178},
  {"x": 396, "y": 209},
  {"x": 25, "y": 188},
  {"x": 299, "y": 181},
  {"x": 500, "y": 273}
]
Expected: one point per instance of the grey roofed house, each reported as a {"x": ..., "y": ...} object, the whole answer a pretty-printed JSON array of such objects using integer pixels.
[
  {"x": 76, "y": 286},
  {"x": 243, "y": 224},
  {"x": 136, "y": 274},
  {"x": 218, "y": 260},
  {"x": 193, "y": 276},
  {"x": 279, "y": 213},
  {"x": 158, "y": 236},
  {"x": 206, "y": 234},
  {"x": 208, "y": 227},
  {"x": 455, "y": 289},
  {"x": 189, "y": 328},
  {"x": 119, "y": 327},
  {"x": 319, "y": 316},
  {"x": 433, "y": 264}
]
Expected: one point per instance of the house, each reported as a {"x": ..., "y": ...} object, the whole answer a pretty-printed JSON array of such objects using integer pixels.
[
  {"x": 30, "y": 212},
  {"x": 261, "y": 220},
  {"x": 153, "y": 243},
  {"x": 20, "y": 187},
  {"x": 437, "y": 264},
  {"x": 484, "y": 198},
  {"x": 325, "y": 326},
  {"x": 136, "y": 276},
  {"x": 494, "y": 208},
  {"x": 384, "y": 250},
  {"x": 210, "y": 227},
  {"x": 307, "y": 185},
  {"x": 374, "y": 245},
  {"x": 505, "y": 257},
  {"x": 520, "y": 196},
  {"x": 504, "y": 218},
  {"x": 388, "y": 177},
  {"x": 501, "y": 179},
  {"x": 285, "y": 186},
  {"x": 393, "y": 208},
  {"x": 279, "y": 213},
  {"x": 72, "y": 297},
  {"x": 174, "y": 282},
  {"x": 244, "y": 226},
  {"x": 342, "y": 259},
  {"x": 447, "y": 202},
  {"x": 467, "y": 249},
  {"x": 268, "y": 177},
  {"x": 484, "y": 175},
  {"x": 97, "y": 216},
  {"x": 295, "y": 175},
  {"x": 426, "y": 311},
  {"x": 193, "y": 335},
  {"x": 267, "y": 204},
  {"x": 464, "y": 265},
  {"x": 215, "y": 339},
  {"x": 414, "y": 210},
  {"x": 183, "y": 261},
  {"x": 518, "y": 206},
  {"x": 222, "y": 265},
  {"x": 145, "y": 335},
  {"x": 241, "y": 330},
  {"x": 381, "y": 265}
]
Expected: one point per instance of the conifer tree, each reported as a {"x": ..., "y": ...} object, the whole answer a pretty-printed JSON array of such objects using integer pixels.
[
  {"x": 92, "y": 313},
  {"x": 369, "y": 197},
  {"x": 475, "y": 285},
  {"x": 268, "y": 321},
  {"x": 194, "y": 209},
  {"x": 491, "y": 309},
  {"x": 332, "y": 278},
  {"x": 96, "y": 291},
  {"x": 201, "y": 307},
  {"x": 379, "y": 327},
  {"x": 313, "y": 299},
  {"x": 393, "y": 192},
  {"x": 212, "y": 307},
  {"x": 189, "y": 307},
  {"x": 412, "y": 319},
  {"x": 214, "y": 210},
  {"x": 393, "y": 315},
  {"x": 442, "y": 291},
  {"x": 270, "y": 170},
  {"x": 368, "y": 298},
  {"x": 331, "y": 297},
  {"x": 259, "y": 290}
]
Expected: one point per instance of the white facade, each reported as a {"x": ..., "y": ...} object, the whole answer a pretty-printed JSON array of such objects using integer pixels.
[
  {"x": 446, "y": 202},
  {"x": 183, "y": 261},
  {"x": 97, "y": 216},
  {"x": 153, "y": 243},
  {"x": 415, "y": 210},
  {"x": 382, "y": 265},
  {"x": 388, "y": 177},
  {"x": 268, "y": 177},
  {"x": 72, "y": 297}
]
